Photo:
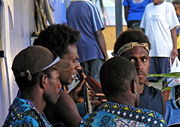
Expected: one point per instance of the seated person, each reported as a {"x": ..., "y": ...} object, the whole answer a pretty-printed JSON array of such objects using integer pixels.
[
  {"x": 135, "y": 46},
  {"x": 120, "y": 84},
  {"x": 38, "y": 80},
  {"x": 172, "y": 115},
  {"x": 61, "y": 40}
]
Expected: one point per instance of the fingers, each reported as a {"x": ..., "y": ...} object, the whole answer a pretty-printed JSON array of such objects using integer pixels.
[{"x": 174, "y": 54}]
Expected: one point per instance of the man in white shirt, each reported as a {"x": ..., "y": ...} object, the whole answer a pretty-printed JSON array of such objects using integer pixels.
[{"x": 160, "y": 22}]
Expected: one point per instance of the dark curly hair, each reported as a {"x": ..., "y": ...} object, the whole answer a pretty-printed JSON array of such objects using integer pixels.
[
  {"x": 131, "y": 35},
  {"x": 57, "y": 38}
]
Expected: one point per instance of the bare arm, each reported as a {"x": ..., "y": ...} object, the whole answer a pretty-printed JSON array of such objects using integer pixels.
[
  {"x": 65, "y": 111},
  {"x": 174, "y": 52},
  {"x": 101, "y": 42},
  {"x": 126, "y": 10}
]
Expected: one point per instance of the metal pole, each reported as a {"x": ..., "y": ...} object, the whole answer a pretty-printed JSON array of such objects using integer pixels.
[{"x": 118, "y": 11}]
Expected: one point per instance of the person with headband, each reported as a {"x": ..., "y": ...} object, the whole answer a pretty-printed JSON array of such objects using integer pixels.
[
  {"x": 120, "y": 85},
  {"x": 36, "y": 74},
  {"x": 135, "y": 46}
]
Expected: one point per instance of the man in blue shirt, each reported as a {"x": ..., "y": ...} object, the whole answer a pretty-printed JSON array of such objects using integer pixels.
[
  {"x": 83, "y": 16},
  {"x": 134, "y": 10},
  {"x": 134, "y": 45}
]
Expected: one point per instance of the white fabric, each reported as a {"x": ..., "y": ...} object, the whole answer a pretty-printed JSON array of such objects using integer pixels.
[
  {"x": 175, "y": 67},
  {"x": 14, "y": 35},
  {"x": 5, "y": 95},
  {"x": 53, "y": 63},
  {"x": 10, "y": 4},
  {"x": 157, "y": 21}
]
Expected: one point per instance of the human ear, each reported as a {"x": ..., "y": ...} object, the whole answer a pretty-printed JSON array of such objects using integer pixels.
[
  {"x": 134, "y": 86},
  {"x": 44, "y": 82}
]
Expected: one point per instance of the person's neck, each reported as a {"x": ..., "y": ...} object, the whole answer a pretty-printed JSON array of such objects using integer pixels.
[
  {"x": 124, "y": 99},
  {"x": 159, "y": 2},
  {"x": 36, "y": 98},
  {"x": 141, "y": 88}
]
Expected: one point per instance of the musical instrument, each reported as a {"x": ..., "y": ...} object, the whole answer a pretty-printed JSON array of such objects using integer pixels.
[{"x": 90, "y": 84}]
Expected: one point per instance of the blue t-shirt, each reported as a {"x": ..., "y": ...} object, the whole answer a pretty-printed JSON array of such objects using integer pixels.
[
  {"x": 136, "y": 8},
  {"x": 172, "y": 115},
  {"x": 84, "y": 17},
  {"x": 59, "y": 11}
]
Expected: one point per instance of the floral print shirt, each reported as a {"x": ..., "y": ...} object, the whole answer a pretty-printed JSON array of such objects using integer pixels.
[{"x": 23, "y": 114}]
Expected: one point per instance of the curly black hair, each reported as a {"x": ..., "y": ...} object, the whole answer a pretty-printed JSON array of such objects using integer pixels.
[
  {"x": 57, "y": 38},
  {"x": 131, "y": 35}
]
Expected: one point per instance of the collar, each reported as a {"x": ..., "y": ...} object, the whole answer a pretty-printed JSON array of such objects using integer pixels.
[{"x": 145, "y": 116}]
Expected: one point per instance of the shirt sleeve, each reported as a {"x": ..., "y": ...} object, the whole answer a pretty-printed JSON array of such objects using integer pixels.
[
  {"x": 97, "y": 22},
  {"x": 172, "y": 17}
]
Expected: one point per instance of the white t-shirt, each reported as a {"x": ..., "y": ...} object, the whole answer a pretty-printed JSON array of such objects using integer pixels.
[{"x": 157, "y": 21}]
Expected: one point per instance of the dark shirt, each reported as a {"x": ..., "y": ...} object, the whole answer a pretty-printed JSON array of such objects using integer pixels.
[{"x": 151, "y": 99}]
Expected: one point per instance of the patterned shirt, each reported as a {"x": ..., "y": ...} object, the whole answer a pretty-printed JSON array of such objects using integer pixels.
[
  {"x": 111, "y": 114},
  {"x": 23, "y": 114}
]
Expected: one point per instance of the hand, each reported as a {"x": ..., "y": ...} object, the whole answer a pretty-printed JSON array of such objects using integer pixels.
[
  {"x": 76, "y": 93},
  {"x": 174, "y": 53}
]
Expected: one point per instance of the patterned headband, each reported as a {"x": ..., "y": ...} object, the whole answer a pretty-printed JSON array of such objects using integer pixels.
[{"x": 131, "y": 45}]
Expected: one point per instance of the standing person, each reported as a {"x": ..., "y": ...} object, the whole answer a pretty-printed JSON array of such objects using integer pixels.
[
  {"x": 133, "y": 11},
  {"x": 120, "y": 85},
  {"x": 83, "y": 16},
  {"x": 135, "y": 46},
  {"x": 38, "y": 81},
  {"x": 159, "y": 22}
]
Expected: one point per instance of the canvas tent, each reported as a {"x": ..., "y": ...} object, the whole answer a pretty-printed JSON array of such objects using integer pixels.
[{"x": 16, "y": 25}]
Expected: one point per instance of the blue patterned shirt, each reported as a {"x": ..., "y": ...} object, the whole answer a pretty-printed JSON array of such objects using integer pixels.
[
  {"x": 23, "y": 114},
  {"x": 111, "y": 114}
]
